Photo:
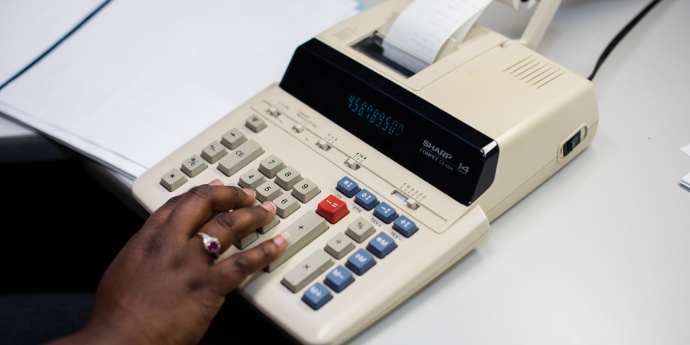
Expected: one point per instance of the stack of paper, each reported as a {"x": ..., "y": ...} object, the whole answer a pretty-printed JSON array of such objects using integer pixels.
[
  {"x": 685, "y": 181},
  {"x": 141, "y": 78}
]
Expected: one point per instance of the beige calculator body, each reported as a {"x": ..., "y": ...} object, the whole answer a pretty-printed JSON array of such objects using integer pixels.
[{"x": 377, "y": 209}]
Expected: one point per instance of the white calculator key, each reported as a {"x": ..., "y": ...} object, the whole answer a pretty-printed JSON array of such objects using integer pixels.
[
  {"x": 213, "y": 152},
  {"x": 193, "y": 166},
  {"x": 339, "y": 246},
  {"x": 305, "y": 190},
  {"x": 256, "y": 123},
  {"x": 271, "y": 165},
  {"x": 307, "y": 270},
  {"x": 268, "y": 191},
  {"x": 244, "y": 242},
  {"x": 233, "y": 138},
  {"x": 251, "y": 179},
  {"x": 288, "y": 177},
  {"x": 239, "y": 158},
  {"x": 286, "y": 205},
  {"x": 173, "y": 179},
  {"x": 304, "y": 230}
]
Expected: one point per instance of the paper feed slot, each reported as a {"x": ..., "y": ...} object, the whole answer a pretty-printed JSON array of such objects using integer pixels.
[
  {"x": 372, "y": 46},
  {"x": 424, "y": 33}
]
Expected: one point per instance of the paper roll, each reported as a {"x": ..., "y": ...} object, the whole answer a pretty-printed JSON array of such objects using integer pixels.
[{"x": 418, "y": 33}]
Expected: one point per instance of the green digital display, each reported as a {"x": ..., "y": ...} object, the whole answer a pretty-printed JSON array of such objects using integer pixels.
[{"x": 374, "y": 116}]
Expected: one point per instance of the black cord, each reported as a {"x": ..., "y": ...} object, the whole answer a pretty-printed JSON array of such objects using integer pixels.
[
  {"x": 620, "y": 36},
  {"x": 56, "y": 44}
]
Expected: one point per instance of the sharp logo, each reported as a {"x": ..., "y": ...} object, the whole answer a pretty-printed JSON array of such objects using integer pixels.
[{"x": 429, "y": 145}]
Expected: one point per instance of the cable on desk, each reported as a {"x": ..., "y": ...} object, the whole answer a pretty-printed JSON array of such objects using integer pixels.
[
  {"x": 620, "y": 36},
  {"x": 86, "y": 19}
]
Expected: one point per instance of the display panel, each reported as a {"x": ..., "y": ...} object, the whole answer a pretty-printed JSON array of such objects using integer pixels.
[{"x": 452, "y": 156}]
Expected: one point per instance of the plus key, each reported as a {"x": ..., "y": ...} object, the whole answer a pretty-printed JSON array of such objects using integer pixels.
[{"x": 332, "y": 209}]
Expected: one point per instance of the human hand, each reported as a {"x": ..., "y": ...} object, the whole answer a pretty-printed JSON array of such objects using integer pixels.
[{"x": 163, "y": 287}]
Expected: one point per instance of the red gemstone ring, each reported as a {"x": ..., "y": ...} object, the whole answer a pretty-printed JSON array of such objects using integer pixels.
[{"x": 211, "y": 244}]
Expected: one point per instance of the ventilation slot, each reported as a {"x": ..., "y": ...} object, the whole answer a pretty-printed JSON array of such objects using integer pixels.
[{"x": 534, "y": 71}]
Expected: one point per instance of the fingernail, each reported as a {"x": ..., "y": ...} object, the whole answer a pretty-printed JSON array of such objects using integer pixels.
[
  {"x": 216, "y": 182},
  {"x": 281, "y": 239},
  {"x": 249, "y": 191},
  {"x": 268, "y": 206}
]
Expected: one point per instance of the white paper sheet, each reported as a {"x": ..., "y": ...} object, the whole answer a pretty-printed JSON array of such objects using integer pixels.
[
  {"x": 30, "y": 27},
  {"x": 143, "y": 77}
]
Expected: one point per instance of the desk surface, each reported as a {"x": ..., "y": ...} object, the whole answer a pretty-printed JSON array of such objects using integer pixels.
[{"x": 599, "y": 253}]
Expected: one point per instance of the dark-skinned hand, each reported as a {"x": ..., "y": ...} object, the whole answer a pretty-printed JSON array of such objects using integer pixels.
[{"x": 164, "y": 287}]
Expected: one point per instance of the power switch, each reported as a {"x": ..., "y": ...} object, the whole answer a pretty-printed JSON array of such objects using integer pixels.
[{"x": 571, "y": 143}]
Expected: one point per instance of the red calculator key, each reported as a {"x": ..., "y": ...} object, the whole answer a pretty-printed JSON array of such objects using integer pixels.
[{"x": 332, "y": 209}]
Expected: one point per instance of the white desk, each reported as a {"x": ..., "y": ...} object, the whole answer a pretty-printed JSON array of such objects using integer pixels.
[{"x": 599, "y": 254}]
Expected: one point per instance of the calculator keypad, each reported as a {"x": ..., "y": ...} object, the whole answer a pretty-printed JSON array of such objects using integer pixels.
[{"x": 353, "y": 248}]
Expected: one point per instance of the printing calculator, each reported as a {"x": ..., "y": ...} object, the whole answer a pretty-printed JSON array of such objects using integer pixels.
[{"x": 383, "y": 178}]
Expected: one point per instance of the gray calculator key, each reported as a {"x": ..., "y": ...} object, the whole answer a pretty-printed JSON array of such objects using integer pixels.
[
  {"x": 213, "y": 152},
  {"x": 173, "y": 179},
  {"x": 288, "y": 177},
  {"x": 286, "y": 205},
  {"x": 307, "y": 270},
  {"x": 233, "y": 138},
  {"x": 239, "y": 158},
  {"x": 271, "y": 165},
  {"x": 300, "y": 233},
  {"x": 339, "y": 246},
  {"x": 193, "y": 166},
  {"x": 268, "y": 191},
  {"x": 266, "y": 228},
  {"x": 251, "y": 179},
  {"x": 244, "y": 242},
  {"x": 360, "y": 229},
  {"x": 305, "y": 190},
  {"x": 256, "y": 123}
]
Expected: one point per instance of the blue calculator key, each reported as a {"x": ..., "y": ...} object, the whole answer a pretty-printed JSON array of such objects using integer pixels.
[
  {"x": 316, "y": 296},
  {"x": 381, "y": 245},
  {"x": 367, "y": 200},
  {"x": 348, "y": 187},
  {"x": 360, "y": 262},
  {"x": 339, "y": 278},
  {"x": 385, "y": 213},
  {"x": 405, "y": 226}
]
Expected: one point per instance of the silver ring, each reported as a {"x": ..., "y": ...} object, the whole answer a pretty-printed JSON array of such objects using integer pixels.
[{"x": 211, "y": 244}]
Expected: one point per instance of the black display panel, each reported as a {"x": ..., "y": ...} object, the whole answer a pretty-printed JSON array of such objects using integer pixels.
[{"x": 432, "y": 144}]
